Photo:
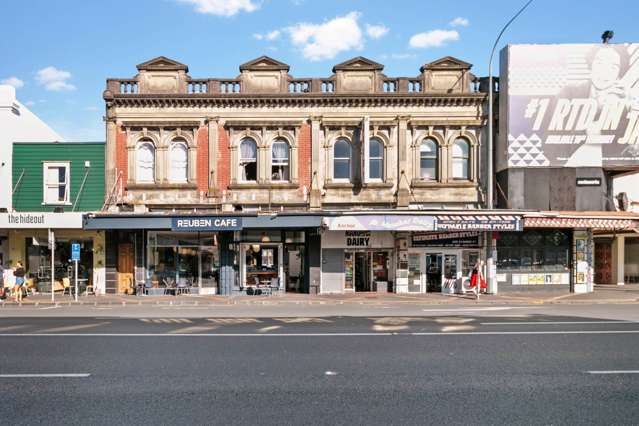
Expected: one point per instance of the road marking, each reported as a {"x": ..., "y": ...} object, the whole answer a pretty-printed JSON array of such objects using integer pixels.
[
  {"x": 49, "y": 307},
  {"x": 434, "y": 333},
  {"x": 613, "y": 372},
  {"x": 330, "y": 373},
  {"x": 557, "y": 322},
  {"x": 488, "y": 308},
  {"x": 73, "y": 327},
  {"x": 12, "y": 327},
  {"x": 73, "y": 375},
  {"x": 269, "y": 328}
]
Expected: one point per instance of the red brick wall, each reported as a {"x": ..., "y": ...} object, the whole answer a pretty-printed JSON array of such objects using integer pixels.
[
  {"x": 121, "y": 155},
  {"x": 223, "y": 159},
  {"x": 304, "y": 152},
  {"x": 202, "y": 171}
]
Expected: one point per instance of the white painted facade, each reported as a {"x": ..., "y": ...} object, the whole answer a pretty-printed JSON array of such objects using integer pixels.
[{"x": 17, "y": 124}]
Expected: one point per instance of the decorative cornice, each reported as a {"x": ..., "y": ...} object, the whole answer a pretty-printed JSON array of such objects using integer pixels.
[
  {"x": 268, "y": 100},
  {"x": 161, "y": 123}
]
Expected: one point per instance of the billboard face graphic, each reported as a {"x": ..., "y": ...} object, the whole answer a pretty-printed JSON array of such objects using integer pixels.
[{"x": 571, "y": 105}]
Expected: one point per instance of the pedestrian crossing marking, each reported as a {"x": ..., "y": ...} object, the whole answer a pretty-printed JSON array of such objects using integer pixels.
[
  {"x": 166, "y": 320},
  {"x": 234, "y": 320}
]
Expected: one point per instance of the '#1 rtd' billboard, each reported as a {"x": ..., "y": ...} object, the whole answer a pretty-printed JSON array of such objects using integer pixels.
[{"x": 569, "y": 105}]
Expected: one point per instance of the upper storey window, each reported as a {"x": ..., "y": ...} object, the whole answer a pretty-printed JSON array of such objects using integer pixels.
[
  {"x": 248, "y": 160},
  {"x": 342, "y": 160},
  {"x": 145, "y": 161},
  {"x": 376, "y": 159},
  {"x": 280, "y": 165},
  {"x": 461, "y": 159},
  {"x": 179, "y": 161},
  {"x": 428, "y": 160}
]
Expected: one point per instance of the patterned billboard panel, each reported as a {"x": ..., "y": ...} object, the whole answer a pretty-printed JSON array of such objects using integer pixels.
[{"x": 572, "y": 105}]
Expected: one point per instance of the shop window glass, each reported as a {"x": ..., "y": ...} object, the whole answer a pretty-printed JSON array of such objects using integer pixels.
[
  {"x": 461, "y": 159},
  {"x": 342, "y": 160},
  {"x": 428, "y": 160},
  {"x": 56, "y": 183},
  {"x": 534, "y": 250},
  {"x": 280, "y": 161},
  {"x": 145, "y": 162},
  {"x": 376, "y": 159},
  {"x": 179, "y": 161},
  {"x": 248, "y": 160}
]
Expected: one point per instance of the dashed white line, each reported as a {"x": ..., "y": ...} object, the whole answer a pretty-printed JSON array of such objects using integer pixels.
[
  {"x": 45, "y": 375},
  {"x": 556, "y": 322},
  {"x": 613, "y": 372}
]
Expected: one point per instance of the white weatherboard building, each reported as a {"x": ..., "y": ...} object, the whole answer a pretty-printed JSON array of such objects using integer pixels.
[{"x": 17, "y": 124}]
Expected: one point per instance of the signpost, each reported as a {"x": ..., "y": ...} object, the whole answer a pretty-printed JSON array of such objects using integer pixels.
[
  {"x": 52, "y": 249},
  {"x": 75, "y": 257}
]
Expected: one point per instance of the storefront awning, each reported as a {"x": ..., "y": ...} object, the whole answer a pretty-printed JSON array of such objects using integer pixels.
[
  {"x": 414, "y": 222},
  {"x": 195, "y": 223},
  {"x": 42, "y": 220}
]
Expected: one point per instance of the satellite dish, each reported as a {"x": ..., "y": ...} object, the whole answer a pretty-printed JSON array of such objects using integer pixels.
[{"x": 622, "y": 201}]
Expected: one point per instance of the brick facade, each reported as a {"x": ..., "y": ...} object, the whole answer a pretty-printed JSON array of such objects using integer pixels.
[
  {"x": 223, "y": 159},
  {"x": 121, "y": 156},
  {"x": 304, "y": 152},
  {"x": 203, "y": 159}
]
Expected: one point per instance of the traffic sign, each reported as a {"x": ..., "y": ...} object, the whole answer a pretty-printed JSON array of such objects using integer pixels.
[{"x": 75, "y": 251}]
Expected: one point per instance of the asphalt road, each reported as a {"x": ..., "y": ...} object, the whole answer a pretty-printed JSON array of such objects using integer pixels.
[{"x": 441, "y": 369}]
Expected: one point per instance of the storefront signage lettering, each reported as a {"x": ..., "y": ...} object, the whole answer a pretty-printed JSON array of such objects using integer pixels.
[
  {"x": 478, "y": 223},
  {"x": 446, "y": 239},
  {"x": 195, "y": 224},
  {"x": 380, "y": 223},
  {"x": 41, "y": 220},
  {"x": 358, "y": 238},
  {"x": 588, "y": 181}
]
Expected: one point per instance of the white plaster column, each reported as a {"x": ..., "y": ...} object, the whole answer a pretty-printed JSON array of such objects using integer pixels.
[{"x": 618, "y": 260}]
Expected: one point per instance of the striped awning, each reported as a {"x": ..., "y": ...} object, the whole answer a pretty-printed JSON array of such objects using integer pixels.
[{"x": 581, "y": 222}]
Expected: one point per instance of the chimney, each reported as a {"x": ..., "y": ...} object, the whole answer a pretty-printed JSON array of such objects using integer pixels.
[{"x": 8, "y": 99}]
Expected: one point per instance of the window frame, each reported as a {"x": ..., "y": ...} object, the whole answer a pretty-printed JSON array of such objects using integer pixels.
[
  {"x": 466, "y": 159},
  {"x": 280, "y": 163},
  {"x": 172, "y": 146},
  {"x": 435, "y": 157},
  {"x": 349, "y": 158},
  {"x": 46, "y": 165},
  {"x": 243, "y": 161},
  {"x": 138, "y": 147},
  {"x": 379, "y": 158}
]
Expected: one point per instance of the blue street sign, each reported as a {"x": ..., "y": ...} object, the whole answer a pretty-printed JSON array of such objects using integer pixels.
[{"x": 75, "y": 251}]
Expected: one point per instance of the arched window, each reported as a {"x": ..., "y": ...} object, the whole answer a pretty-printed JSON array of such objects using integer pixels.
[
  {"x": 248, "y": 160},
  {"x": 375, "y": 159},
  {"x": 428, "y": 153},
  {"x": 461, "y": 159},
  {"x": 145, "y": 161},
  {"x": 179, "y": 161},
  {"x": 342, "y": 160},
  {"x": 280, "y": 165}
]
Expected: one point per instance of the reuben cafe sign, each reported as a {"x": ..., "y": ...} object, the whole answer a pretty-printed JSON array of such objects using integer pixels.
[
  {"x": 41, "y": 220},
  {"x": 195, "y": 224}
]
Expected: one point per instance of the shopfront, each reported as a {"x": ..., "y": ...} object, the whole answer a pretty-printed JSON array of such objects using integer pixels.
[
  {"x": 354, "y": 261},
  {"x": 210, "y": 254},
  {"x": 442, "y": 261},
  {"x": 34, "y": 238}
]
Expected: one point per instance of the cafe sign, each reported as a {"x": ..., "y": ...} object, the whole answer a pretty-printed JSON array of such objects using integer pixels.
[
  {"x": 201, "y": 223},
  {"x": 41, "y": 220}
]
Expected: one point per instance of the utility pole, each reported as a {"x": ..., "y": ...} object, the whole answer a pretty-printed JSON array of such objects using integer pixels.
[{"x": 490, "y": 255}]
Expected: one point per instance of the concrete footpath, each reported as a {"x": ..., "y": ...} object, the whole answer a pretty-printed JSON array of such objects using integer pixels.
[{"x": 628, "y": 294}]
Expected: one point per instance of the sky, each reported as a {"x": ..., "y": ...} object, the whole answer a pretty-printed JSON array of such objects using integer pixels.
[{"x": 58, "y": 54}]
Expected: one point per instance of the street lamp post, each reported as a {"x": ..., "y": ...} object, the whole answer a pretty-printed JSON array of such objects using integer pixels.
[{"x": 492, "y": 288}]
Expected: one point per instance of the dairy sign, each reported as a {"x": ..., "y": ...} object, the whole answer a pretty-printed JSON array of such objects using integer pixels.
[
  {"x": 41, "y": 220},
  {"x": 570, "y": 105},
  {"x": 197, "y": 224}
]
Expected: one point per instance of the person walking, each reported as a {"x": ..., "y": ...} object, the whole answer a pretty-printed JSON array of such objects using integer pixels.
[{"x": 19, "y": 274}]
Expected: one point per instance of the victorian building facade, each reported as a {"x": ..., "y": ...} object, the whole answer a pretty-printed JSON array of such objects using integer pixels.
[{"x": 296, "y": 184}]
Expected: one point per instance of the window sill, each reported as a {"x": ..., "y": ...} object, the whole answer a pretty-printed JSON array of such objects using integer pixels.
[
  {"x": 377, "y": 184},
  {"x": 418, "y": 183},
  {"x": 66, "y": 203},
  {"x": 338, "y": 185},
  {"x": 265, "y": 185},
  {"x": 165, "y": 185}
]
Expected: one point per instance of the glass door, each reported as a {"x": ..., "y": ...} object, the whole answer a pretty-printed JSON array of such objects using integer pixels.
[
  {"x": 415, "y": 276},
  {"x": 450, "y": 275},
  {"x": 433, "y": 271}
]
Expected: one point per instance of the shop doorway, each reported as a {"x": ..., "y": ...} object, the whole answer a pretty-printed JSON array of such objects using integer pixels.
[
  {"x": 444, "y": 270},
  {"x": 125, "y": 267},
  {"x": 433, "y": 272},
  {"x": 362, "y": 271}
]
